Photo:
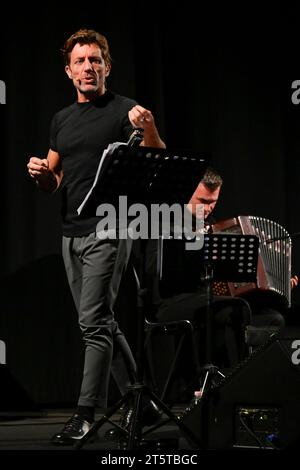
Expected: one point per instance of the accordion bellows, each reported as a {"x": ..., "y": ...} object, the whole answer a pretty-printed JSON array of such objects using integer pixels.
[{"x": 273, "y": 284}]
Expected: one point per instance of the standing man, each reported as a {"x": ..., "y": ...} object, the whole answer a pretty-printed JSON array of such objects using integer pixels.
[{"x": 79, "y": 134}]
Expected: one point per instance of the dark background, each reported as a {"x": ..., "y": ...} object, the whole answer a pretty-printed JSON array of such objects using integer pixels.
[{"x": 217, "y": 80}]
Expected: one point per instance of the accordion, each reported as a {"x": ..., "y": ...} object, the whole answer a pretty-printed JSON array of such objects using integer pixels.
[{"x": 273, "y": 283}]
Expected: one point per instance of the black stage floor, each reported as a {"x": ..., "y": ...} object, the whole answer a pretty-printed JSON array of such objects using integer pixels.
[
  {"x": 27, "y": 439},
  {"x": 34, "y": 432}
]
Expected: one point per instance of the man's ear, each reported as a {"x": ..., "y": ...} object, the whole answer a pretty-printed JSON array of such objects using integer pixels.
[
  {"x": 68, "y": 72},
  {"x": 107, "y": 70}
]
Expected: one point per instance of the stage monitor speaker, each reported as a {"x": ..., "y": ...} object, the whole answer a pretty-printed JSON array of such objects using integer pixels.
[
  {"x": 258, "y": 404},
  {"x": 14, "y": 400}
]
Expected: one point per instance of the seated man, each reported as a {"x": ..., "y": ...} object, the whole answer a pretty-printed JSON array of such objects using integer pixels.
[{"x": 229, "y": 315}]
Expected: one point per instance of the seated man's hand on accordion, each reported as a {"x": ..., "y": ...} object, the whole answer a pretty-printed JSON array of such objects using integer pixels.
[{"x": 294, "y": 281}]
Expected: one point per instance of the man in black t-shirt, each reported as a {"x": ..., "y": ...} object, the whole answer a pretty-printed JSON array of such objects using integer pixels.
[{"x": 79, "y": 134}]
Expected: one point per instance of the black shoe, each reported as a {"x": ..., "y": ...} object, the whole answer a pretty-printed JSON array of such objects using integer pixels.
[
  {"x": 150, "y": 416},
  {"x": 74, "y": 429}
]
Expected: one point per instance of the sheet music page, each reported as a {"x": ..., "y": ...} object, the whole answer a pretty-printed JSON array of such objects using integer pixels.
[{"x": 106, "y": 154}]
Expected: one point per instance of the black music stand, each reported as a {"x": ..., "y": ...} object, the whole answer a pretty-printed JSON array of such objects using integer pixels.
[
  {"x": 224, "y": 257},
  {"x": 146, "y": 176}
]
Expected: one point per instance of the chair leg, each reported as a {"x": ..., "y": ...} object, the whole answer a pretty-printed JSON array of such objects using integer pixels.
[
  {"x": 187, "y": 331},
  {"x": 149, "y": 361},
  {"x": 195, "y": 349},
  {"x": 172, "y": 368}
]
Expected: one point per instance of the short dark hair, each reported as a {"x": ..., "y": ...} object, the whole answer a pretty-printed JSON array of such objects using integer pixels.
[
  {"x": 86, "y": 36},
  {"x": 211, "y": 179}
]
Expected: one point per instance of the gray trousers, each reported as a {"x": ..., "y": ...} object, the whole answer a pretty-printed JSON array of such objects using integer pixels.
[{"x": 94, "y": 268}]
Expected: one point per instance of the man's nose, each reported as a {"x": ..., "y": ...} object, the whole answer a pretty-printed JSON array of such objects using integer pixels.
[{"x": 87, "y": 64}]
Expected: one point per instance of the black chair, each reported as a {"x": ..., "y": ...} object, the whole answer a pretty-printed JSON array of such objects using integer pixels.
[
  {"x": 194, "y": 333},
  {"x": 183, "y": 331}
]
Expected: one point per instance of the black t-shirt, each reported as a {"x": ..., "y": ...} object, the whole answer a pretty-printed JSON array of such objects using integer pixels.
[{"x": 80, "y": 133}]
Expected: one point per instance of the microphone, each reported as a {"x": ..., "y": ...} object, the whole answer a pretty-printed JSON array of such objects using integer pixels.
[{"x": 136, "y": 137}]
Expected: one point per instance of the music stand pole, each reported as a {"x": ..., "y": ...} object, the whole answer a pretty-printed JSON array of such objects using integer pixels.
[
  {"x": 223, "y": 257},
  {"x": 226, "y": 257},
  {"x": 209, "y": 368}
]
